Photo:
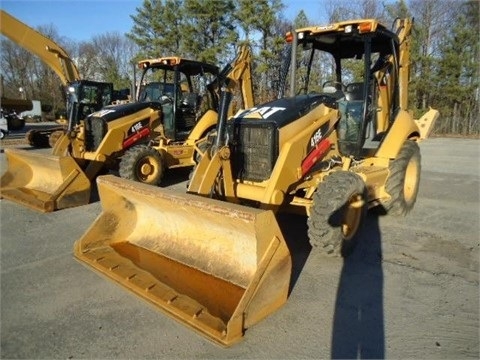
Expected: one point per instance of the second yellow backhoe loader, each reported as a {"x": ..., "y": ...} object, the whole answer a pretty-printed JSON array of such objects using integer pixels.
[
  {"x": 143, "y": 138},
  {"x": 330, "y": 152},
  {"x": 64, "y": 178},
  {"x": 188, "y": 114}
]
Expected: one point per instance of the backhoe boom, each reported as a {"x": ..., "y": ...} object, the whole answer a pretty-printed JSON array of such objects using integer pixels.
[{"x": 46, "y": 49}]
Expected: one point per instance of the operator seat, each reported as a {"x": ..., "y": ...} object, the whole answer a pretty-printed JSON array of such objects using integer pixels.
[{"x": 354, "y": 91}]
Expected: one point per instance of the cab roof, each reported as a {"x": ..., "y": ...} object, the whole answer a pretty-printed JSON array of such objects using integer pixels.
[
  {"x": 346, "y": 39},
  {"x": 189, "y": 67}
]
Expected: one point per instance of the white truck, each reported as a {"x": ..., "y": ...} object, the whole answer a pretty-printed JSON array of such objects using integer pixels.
[
  {"x": 9, "y": 119},
  {"x": 35, "y": 113},
  {"x": 3, "y": 126}
]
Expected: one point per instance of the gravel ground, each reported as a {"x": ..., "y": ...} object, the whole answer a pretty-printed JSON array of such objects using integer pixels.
[{"x": 410, "y": 289}]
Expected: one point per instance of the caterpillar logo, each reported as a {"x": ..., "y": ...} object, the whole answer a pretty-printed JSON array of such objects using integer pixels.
[{"x": 102, "y": 113}]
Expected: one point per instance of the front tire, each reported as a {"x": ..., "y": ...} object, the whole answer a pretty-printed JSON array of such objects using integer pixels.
[
  {"x": 404, "y": 179},
  {"x": 142, "y": 163},
  {"x": 338, "y": 211}
]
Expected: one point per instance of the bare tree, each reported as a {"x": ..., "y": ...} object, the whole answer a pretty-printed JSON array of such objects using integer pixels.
[
  {"x": 115, "y": 54},
  {"x": 22, "y": 69},
  {"x": 339, "y": 10},
  {"x": 431, "y": 18}
]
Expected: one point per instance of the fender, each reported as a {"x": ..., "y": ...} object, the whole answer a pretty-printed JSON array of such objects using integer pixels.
[
  {"x": 207, "y": 121},
  {"x": 403, "y": 128}
]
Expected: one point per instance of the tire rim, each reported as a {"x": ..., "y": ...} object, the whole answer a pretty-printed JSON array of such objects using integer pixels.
[
  {"x": 352, "y": 216},
  {"x": 147, "y": 169},
  {"x": 410, "y": 183}
]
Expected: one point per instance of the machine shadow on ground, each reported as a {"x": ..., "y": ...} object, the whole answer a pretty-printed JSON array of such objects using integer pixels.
[
  {"x": 358, "y": 324},
  {"x": 175, "y": 176},
  {"x": 294, "y": 230}
]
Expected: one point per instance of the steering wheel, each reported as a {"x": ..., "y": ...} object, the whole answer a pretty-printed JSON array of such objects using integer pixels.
[
  {"x": 164, "y": 99},
  {"x": 335, "y": 84}
]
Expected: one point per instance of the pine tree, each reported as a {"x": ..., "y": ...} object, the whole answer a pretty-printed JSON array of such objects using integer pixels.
[
  {"x": 209, "y": 32},
  {"x": 458, "y": 74},
  {"x": 266, "y": 22},
  {"x": 157, "y": 28}
]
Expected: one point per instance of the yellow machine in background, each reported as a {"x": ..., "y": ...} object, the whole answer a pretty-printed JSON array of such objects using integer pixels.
[
  {"x": 64, "y": 178},
  {"x": 188, "y": 115},
  {"x": 64, "y": 67},
  {"x": 142, "y": 139},
  {"x": 329, "y": 152}
]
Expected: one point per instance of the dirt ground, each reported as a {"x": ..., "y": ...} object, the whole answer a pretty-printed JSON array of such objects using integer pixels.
[{"x": 410, "y": 289}]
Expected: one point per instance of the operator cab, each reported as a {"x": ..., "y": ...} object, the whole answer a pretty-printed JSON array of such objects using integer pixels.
[
  {"x": 84, "y": 97},
  {"x": 180, "y": 86},
  {"x": 352, "y": 62}
]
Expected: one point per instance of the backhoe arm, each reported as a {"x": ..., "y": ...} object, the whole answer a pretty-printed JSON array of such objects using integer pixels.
[
  {"x": 403, "y": 28},
  {"x": 238, "y": 75},
  {"x": 46, "y": 49},
  {"x": 241, "y": 75}
]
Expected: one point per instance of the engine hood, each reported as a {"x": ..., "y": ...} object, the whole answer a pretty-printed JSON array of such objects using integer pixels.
[
  {"x": 114, "y": 112},
  {"x": 286, "y": 110}
]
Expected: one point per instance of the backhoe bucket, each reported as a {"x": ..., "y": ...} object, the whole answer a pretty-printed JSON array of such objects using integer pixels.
[
  {"x": 216, "y": 267},
  {"x": 44, "y": 182}
]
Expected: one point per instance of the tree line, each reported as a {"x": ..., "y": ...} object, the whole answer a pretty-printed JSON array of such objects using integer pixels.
[{"x": 444, "y": 53}]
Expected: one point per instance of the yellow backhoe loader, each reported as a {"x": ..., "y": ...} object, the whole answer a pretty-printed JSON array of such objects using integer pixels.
[
  {"x": 214, "y": 258},
  {"x": 64, "y": 178},
  {"x": 188, "y": 114},
  {"x": 141, "y": 139}
]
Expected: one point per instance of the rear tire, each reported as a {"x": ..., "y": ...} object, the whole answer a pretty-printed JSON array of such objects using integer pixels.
[
  {"x": 337, "y": 214},
  {"x": 37, "y": 139},
  {"x": 142, "y": 163},
  {"x": 404, "y": 179},
  {"x": 53, "y": 138}
]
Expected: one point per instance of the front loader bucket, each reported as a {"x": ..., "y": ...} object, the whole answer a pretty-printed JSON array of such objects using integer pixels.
[
  {"x": 216, "y": 267},
  {"x": 44, "y": 182}
]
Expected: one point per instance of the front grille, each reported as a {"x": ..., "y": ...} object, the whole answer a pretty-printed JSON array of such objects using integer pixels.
[
  {"x": 95, "y": 130},
  {"x": 255, "y": 151}
]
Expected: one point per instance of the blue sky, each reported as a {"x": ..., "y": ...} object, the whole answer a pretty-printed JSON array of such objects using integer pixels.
[{"x": 80, "y": 20}]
